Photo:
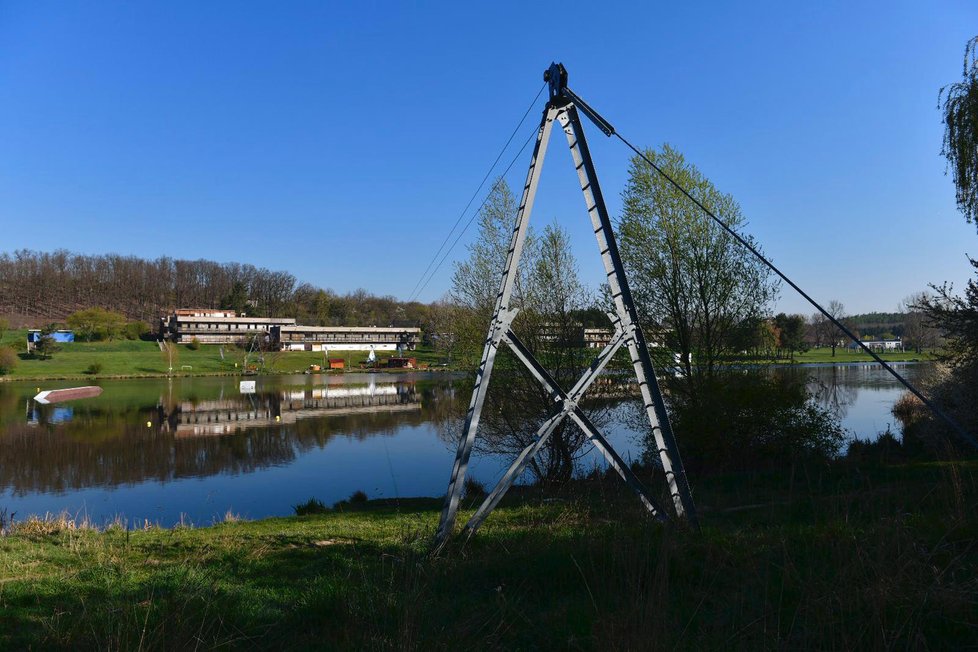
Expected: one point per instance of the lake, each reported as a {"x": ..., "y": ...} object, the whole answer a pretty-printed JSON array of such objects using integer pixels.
[{"x": 193, "y": 449}]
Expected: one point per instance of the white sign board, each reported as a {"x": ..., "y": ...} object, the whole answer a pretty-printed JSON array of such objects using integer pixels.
[{"x": 247, "y": 387}]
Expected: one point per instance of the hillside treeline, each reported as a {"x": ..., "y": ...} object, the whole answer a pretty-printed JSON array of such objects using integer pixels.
[{"x": 37, "y": 288}]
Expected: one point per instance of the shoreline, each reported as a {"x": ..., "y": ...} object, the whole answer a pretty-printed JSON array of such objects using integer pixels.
[{"x": 401, "y": 370}]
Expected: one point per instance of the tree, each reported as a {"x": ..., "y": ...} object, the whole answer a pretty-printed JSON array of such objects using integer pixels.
[
  {"x": 917, "y": 331},
  {"x": 549, "y": 296},
  {"x": 476, "y": 280},
  {"x": 708, "y": 296},
  {"x": 958, "y": 103},
  {"x": 4, "y": 326},
  {"x": 96, "y": 324},
  {"x": 689, "y": 279},
  {"x": 958, "y": 317},
  {"x": 829, "y": 333},
  {"x": 791, "y": 333},
  {"x": 956, "y": 390},
  {"x": 45, "y": 347},
  {"x": 236, "y": 299}
]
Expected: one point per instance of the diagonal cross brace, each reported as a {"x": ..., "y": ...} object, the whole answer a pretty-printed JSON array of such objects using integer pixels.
[{"x": 567, "y": 406}]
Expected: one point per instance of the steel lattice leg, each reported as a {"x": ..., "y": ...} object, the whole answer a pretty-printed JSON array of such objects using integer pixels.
[{"x": 502, "y": 317}]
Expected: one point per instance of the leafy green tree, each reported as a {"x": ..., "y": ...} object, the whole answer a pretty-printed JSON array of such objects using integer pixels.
[
  {"x": 707, "y": 296},
  {"x": 689, "y": 279},
  {"x": 791, "y": 332},
  {"x": 958, "y": 103},
  {"x": 46, "y": 347},
  {"x": 94, "y": 324}
]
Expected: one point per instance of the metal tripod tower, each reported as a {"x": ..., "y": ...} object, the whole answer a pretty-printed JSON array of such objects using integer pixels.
[{"x": 563, "y": 107}]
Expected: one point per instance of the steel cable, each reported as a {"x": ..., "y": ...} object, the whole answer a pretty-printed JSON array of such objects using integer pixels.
[{"x": 417, "y": 290}]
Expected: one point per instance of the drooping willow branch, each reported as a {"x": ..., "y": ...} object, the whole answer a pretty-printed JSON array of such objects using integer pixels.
[{"x": 958, "y": 103}]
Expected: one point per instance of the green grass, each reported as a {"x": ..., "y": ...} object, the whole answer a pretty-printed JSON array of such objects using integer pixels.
[
  {"x": 841, "y": 558},
  {"x": 136, "y": 358},
  {"x": 842, "y": 356},
  {"x": 128, "y": 359}
]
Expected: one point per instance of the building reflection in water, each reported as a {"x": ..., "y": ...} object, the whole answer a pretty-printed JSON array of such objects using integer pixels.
[
  {"x": 169, "y": 433},
  {"x": 260, "y": 410}
]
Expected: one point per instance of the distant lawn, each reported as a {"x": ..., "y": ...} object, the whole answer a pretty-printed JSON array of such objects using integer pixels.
[
  {"x": 841, "y": 355},
  {"x": 139, "y": 358}
]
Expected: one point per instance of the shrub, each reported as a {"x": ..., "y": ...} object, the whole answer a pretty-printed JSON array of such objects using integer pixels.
[
  {"x": 357, "y": 500},
  {"x": 358, "y": 497},
  {"x": 8, "y": 360},
  {"x": 94, "y": 369},
  {"x": 135, "y": 330},
  {"x": 473, "y": 488},
  {"x": 96, "y": 324},
  {"x": 46, "y": 347},
  {"x": 193, "y": 344},
  {"x": 311, "y": 506},
  {"x": 745, "y": 421},
  {"x": 887, "y": 449}
]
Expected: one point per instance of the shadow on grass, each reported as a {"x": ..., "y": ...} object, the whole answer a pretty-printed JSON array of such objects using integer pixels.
[{"x": 843, "y": 559}]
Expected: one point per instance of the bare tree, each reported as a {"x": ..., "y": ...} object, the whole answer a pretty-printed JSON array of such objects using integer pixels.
[
  {"x": 917, "y": 330},
  {"x": 829, "y": 333}
]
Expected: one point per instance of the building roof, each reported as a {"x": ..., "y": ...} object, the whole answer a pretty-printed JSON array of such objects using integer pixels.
[
  {"x": 237, "y": 320},
  {"x": 349, "y": 329}
]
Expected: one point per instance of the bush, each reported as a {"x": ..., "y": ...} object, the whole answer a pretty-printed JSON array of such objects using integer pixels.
[
  {"x": 311, "y": 506},
  {"x": 96, "y": 324},
  {"x": 135, "y": 330},
  {"x": 193, "y": 344},
  {"x": 358, "y": 497},
  {"x": 8, "y": 360},
  {"x": 94, "y": 369},
  {"x": 746, "y": 421},
  {"x": 473, "y": 488},
  {"x": 46, "y": 347},
  {"x": 887, "y": 449},
  {"x": 357, "y": 500}
]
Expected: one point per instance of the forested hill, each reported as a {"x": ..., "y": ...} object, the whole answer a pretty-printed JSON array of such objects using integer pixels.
[
  {"x": 38, "y": 288},
  {"x": 878, "y": 324}
]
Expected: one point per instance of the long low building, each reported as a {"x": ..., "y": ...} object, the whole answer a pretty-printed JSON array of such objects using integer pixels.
[
  {"x": 344, "y": 338},
  {"x": 217, "y": 327}
]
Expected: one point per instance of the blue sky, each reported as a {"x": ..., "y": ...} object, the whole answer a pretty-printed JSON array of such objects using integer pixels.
[{"x": 340, "y": 141}]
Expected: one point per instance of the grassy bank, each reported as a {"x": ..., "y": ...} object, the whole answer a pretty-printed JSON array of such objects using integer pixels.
[
  {"x": 839, "y": 558},
  {"x": 824, "y": 355},
  {"x": 136, "y": 358}
]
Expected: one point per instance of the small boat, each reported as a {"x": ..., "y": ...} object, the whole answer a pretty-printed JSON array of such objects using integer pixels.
[{"x": 67, "y": 394}]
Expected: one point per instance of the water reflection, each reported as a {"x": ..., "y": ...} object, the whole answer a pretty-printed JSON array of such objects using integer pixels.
[
  {"x": 861, "y": 395},
  {"x": 160, "y": 449},
  {"x": 285, "y": 407},
  {"x": 199, "y": 429}
]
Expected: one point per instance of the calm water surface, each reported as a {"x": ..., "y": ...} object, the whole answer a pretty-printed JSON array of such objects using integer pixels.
[{"x": 193, "y": 449}]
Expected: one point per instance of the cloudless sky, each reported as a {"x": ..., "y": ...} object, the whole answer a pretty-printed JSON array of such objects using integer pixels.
[{"x": 340, "y": 141}]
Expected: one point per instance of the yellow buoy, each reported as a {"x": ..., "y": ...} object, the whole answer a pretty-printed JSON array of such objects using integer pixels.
[{"x": 149, "y": 424}]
